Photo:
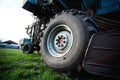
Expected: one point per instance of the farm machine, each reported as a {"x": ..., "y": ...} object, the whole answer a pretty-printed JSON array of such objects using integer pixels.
[{"x": 81, "y": 34}]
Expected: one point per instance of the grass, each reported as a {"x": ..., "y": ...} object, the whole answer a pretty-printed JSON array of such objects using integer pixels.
[{"x": 14, "y": 65}]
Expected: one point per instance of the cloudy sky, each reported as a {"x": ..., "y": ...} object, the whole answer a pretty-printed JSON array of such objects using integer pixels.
[{"x": 13, "y": 20}]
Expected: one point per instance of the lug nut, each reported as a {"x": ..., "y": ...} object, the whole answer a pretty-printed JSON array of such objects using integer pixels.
[
  {"x": 58, "y": 45},
  {"x": 58, "y": 37},
  {"x": 63, "y": 37}
]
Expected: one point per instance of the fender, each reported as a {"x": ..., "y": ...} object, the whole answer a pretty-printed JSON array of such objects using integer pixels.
[{"x": 103, "y": 55}]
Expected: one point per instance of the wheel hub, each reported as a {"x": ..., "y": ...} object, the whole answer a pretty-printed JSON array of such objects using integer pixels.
[{"x": 61, "y": 41}]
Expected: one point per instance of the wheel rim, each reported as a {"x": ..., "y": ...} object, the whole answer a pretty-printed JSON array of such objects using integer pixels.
[{"x": 60, "y": 40}]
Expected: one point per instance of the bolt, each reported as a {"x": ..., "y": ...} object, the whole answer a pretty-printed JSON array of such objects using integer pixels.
[
  {"x": 56, "y": 43},
  {"x": 62, "y": 45},
  {"x": 63, "y": 37},
  {"x": 56, "y": 39}
]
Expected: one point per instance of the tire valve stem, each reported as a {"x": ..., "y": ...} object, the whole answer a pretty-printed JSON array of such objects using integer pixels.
[{"x": 64, "y": 58}]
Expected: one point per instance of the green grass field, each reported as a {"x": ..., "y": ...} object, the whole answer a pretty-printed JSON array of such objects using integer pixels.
[{"x": 14, "y": 65}]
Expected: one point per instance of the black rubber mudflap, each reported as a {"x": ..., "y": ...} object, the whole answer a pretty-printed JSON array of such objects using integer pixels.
[{"x": 103, "y": 55}]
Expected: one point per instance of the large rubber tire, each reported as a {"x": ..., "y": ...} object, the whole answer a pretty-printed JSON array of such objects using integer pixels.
[
  {"x": 66, "y": 56},
  {"x": 28, "y": 48}
]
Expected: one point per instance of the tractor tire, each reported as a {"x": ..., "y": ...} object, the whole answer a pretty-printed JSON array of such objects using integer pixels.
[
  {"x": 64, "y": 42},
  {"x": 28, "y": 48}
]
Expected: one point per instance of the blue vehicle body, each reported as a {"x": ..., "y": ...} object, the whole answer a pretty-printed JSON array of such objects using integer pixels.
[{"x": 103, "y": 6}]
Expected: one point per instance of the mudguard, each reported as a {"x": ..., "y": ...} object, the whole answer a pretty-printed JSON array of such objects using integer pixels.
[{"x": 103, "y": 55}]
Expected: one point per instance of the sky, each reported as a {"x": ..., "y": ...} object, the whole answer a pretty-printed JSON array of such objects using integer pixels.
[{"x": 13, "y": 20}]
